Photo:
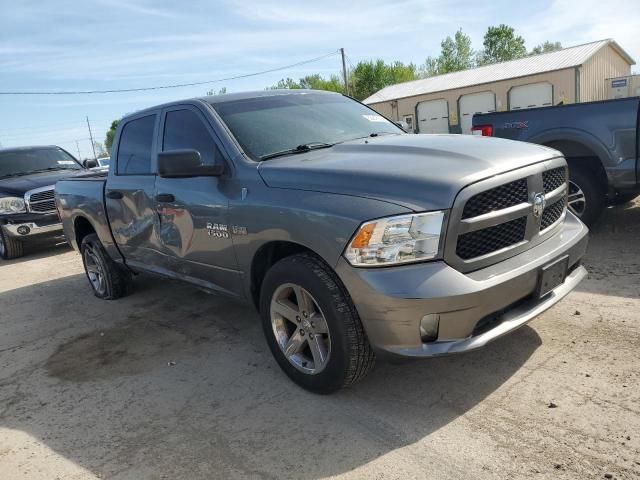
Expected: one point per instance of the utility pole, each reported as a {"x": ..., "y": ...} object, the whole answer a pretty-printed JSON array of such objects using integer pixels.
[
  {"x": 91, "y": 137},
  {"x": 344, "y": 72},
  {"x": 78, "y": 147}
]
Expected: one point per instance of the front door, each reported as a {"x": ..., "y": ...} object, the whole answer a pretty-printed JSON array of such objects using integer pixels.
[
  {"x": 129, "y": 192},
  {"x": 193, "y": 227}
]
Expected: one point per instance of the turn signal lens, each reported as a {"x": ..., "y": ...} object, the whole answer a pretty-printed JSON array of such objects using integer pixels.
[{"x": 361, "y": 240}]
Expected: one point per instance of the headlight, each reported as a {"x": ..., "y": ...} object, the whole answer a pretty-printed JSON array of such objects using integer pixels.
[
  {"x": 396, "y": 240},
  {"x": 12, "y": 205}
]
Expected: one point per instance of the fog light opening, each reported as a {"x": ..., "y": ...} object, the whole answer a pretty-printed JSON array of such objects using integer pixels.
[
  {"x": 23, "y": 230},
  {"x": 429, "y": 327}
]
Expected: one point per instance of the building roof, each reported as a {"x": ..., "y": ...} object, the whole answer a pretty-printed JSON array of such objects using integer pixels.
[{"x": 522, "y": 67}]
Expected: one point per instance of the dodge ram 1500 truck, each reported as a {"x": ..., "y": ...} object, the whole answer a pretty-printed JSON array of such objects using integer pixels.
[
  {"x": 598, "y": 139},
  {"x": 27, "y": 204},
  {"x": 350, "y": 237}
]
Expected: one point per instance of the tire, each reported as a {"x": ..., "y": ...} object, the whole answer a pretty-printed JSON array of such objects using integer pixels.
[
  {"x": 349, "y": 356},
  {"x": 107, "y": 279},
  {"x": 10, "y": 247},
  {"x": 623, "y": 198},
  {"x": 584, "y": 182}
]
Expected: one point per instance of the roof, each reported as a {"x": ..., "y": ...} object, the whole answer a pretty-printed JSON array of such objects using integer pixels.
[
  {"x": 25, "y": 148},
  {"x": 227, "y": 97},
  {"x": 547, "y": 62}
]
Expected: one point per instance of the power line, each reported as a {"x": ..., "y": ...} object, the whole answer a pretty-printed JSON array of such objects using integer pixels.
[{"x": 177, "y": 85}]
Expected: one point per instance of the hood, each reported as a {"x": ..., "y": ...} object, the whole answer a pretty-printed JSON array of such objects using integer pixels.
[
  {"x": 21, "y": 184},
  {"x": 420, "y": 172}
]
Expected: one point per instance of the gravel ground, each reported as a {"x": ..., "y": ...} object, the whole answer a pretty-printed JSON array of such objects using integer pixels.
[{"x": 175, "y": 383}]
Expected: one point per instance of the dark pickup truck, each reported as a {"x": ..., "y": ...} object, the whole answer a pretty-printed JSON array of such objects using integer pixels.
[
  {"x": 598, "y": 139},
  {"x": 27, "y": 205},
  {"x": 349, "y": 236}
]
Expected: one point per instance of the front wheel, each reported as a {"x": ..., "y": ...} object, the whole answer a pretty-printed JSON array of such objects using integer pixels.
[
  {"x": 10, "y": 247},
  {"x": 108, "y": 280},
  {"x": 311, "y": 325}
]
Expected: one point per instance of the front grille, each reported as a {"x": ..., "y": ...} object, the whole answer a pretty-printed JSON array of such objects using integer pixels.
[
  {"x": 42, "y": 201},
  {"x": 497, "y": 198},
  {"x": 554, "y": 178},
  {"x": 552, "y": 214},
  {"x": 481, "y": 242}
]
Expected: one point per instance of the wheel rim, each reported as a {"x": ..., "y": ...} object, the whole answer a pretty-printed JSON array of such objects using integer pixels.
[
  {"x": 300, "y": 328},
  {"x": 577, "y": 201},
  {"x": 95, "y": 272}
]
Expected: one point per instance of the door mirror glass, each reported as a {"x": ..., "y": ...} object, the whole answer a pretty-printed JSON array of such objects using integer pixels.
[{"x": 185, "y": 163}]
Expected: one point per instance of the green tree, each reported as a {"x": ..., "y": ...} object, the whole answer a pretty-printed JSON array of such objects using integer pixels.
[
  {"x": 211, "y": 92},
  {"x": 108, "y": 141},
  {"x": 456, "y": 54},
  {"x": 370, "y": 76},
  {"x": 546, "y": 47},
  {"x": 501, "y": 44}
]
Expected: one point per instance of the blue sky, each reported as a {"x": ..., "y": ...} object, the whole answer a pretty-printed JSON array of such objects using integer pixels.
[{"x": 104, "y": 44}]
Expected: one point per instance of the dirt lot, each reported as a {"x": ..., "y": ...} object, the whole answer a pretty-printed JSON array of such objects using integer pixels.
[{"x": 175, "y": 383}]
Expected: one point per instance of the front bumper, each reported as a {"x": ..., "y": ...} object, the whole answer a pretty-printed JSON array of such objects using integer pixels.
[
  {"x": 392, "y": 301},
  {"x": 30, "y": 226}
]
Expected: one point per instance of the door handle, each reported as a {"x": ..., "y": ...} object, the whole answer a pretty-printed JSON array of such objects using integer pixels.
[
  {"x": 114, "y": 195},
  {"x": 165, "y": 198}
]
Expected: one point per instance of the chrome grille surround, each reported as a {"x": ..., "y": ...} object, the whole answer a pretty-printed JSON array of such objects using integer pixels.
[
  {"x": 41, "y": 200},
  {"x": 509, "y": 240}
]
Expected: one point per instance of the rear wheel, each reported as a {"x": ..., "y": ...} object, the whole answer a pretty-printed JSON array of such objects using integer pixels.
[
  {"x": 586, "y": 195},
  {"x": 311, "y": 325},
  {"x": 108, "y": 280},
  {"x": 10, "y": 247}
]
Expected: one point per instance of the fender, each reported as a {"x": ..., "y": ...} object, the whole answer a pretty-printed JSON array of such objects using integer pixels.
[{"x": 578, "y": 136}]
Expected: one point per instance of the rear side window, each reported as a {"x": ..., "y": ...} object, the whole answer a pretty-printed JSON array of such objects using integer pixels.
[
  {"x": 184, "y": 129},
  {"x": 134, "y": 151}
]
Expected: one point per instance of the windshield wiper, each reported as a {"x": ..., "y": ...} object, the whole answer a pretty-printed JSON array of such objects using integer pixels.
[{"x": 306, "y": 147}]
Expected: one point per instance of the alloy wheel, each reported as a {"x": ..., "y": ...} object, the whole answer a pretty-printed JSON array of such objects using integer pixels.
[
  {"x": 300, "y": 328},
  {"x": 95, "y": 271},
  {"x": 577, "y": 201}
]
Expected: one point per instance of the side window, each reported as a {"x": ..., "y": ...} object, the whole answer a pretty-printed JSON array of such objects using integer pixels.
[
  {"x": 134, "y": 150},
  {"x": 184, "y": 129}
]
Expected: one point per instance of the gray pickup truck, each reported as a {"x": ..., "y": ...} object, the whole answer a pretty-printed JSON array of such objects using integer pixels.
[
  {"x": 598, "y": 139},
  {"x": 349, "y": 236}
]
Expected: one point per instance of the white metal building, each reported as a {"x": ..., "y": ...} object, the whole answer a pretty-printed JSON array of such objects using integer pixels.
[{"x": 447, "y": 103}]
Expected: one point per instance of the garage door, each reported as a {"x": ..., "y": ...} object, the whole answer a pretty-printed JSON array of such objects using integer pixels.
[
  {"x": 482, "y": 102},
  {"x": 433, "y": 117},
  {"x": 531, "y": 96}
]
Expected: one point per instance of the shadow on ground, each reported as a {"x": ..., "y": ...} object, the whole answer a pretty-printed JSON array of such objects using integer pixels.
[
  {"x": 172, "y": 382},
  {"x": 613, "y": 256},
  {"x": 39, "y": 250}
]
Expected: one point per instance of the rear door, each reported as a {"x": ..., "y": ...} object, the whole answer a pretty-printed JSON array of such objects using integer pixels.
[
  {"x": 193, "y": 227},
  {"x": 130, "y": 188},
  {"x": 433, "y": 116},
  {"x": 472, "y": 103}
]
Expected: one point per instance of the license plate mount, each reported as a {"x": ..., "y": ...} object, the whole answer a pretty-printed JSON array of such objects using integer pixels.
[{"x": 552, "y": 275}]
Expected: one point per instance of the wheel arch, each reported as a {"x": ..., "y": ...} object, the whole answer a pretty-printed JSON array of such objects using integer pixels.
[
  {"x": 581, "y": 151},
  {"x": 82, "y": 227},
  {"x": 265, "y": 257}
]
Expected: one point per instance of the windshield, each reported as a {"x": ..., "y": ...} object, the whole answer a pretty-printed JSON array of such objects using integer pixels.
[
  {"x": 267, "y": 125},
  {"x": 20, "y": 162}
]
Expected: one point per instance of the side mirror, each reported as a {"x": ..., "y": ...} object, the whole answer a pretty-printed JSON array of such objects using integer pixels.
[
  {"x": 404, "y": 126},
  {"x": 89, "y": 164},
  {"x": 185, "y": 164}
]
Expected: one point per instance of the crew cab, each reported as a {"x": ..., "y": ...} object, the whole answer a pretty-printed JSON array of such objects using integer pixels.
[
  {"x": 351, "y": 238},
  {"x": 598, "y": 139},
  {"x": 27, "y": 205}
]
